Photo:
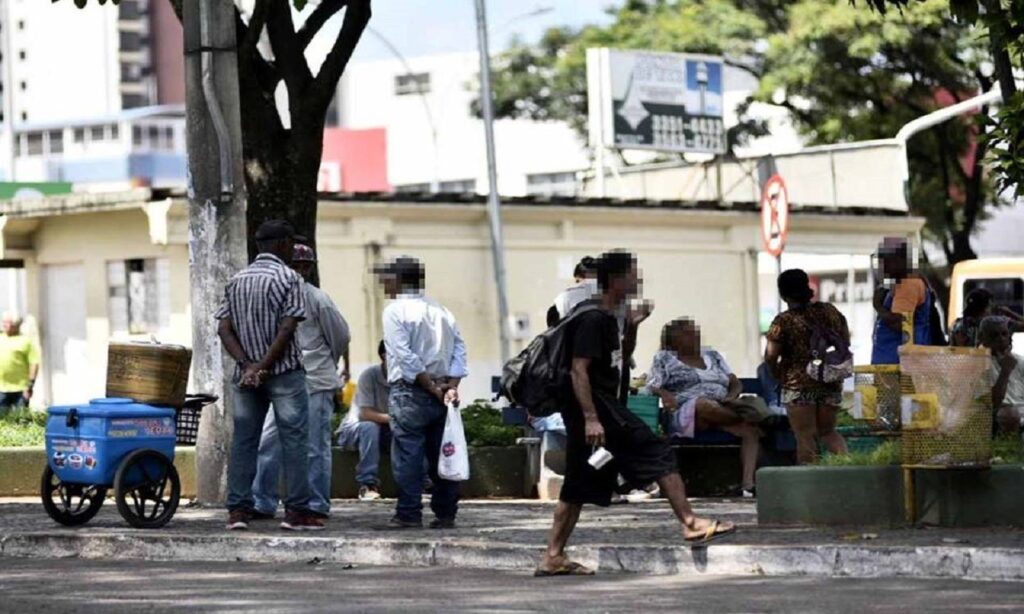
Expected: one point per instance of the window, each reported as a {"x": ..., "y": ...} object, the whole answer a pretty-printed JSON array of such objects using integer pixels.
[
  {"x": 551, "y": 184},
  {"x": 412, "y": 83},
  {"x": 130, "y": 71},
  {"x": 412, "y": 188},
  {"x": 1006, "y": 291},
  {"x": 137, "y": 136},
  {"x": 138, "y": 292},
  {"x": 95, "y": 133},
  {"x": 24, "y": 116},
  {"x": 21, "y": 54},
  {"x": 460, "y": 186},
  {"x": 114, "y": 131},
  {"x": 79, "y": 135},
  {"x": 34, "y": 143},
  {"x": 56, "y": 141}
]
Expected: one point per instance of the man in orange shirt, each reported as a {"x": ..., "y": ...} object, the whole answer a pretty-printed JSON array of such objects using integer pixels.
[{"x": 905, "y": 293}]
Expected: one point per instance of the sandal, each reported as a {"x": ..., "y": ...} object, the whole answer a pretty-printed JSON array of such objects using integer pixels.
[
  {"x": 714, "y": 531},
  {"x": 571, "y": 568}
]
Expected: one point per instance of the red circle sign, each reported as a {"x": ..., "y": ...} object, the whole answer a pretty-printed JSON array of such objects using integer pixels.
[{"x": 774, "y": 215}]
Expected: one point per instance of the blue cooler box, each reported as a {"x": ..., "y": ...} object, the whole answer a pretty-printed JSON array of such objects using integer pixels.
[{"x": 86, "y": 443}]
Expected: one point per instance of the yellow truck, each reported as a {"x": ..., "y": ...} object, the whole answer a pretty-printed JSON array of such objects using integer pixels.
[{"x": 1003, "y": 277}]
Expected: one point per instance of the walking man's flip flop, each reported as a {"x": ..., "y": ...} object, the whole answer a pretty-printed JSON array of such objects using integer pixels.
[
  {"x": 711, "y": 533},
  {"x": 572, "y": 568}
]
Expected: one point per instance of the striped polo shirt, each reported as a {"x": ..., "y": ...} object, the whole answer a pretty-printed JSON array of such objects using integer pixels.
[{"x": 256, "y": 299}]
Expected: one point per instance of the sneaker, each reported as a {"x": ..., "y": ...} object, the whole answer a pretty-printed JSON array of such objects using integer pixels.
[
  {"x": 239, "y": 520},
  {"x": 398, "y": 523},
  {"x": 619, "y": 498},
  {"x": 258, "y": 515},
  {"x": 637, "y": 495},
  {"x": 302, "y": 521},
  {"x": 368, "y": 493},
  {"x": 750, "y": 493},
  {"x": 442, "y": 523}
]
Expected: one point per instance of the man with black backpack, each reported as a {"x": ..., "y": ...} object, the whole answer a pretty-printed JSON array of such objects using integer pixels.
[{"x": 598, "y": 425}]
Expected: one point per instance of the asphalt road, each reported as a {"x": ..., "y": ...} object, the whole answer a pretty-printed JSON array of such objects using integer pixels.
[{"x": 77, "y": 585}]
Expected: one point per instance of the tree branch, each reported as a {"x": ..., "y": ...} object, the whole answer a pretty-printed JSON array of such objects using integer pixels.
[
  {"x": 357, "y": 15},
  {"x": 317, "y": 19},
  {"x": 288, "y": 55},
  {"x": 256, "y": 23}
]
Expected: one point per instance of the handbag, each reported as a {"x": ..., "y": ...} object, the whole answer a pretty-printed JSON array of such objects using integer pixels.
[
  {"x": 750, "y": 407},
  {"x": 453, "y": 459}
]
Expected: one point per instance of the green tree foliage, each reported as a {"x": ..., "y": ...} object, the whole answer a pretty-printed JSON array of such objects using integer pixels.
[
  {"x": 843, "y": 73},
  {"x": 1003, "y": 22}
]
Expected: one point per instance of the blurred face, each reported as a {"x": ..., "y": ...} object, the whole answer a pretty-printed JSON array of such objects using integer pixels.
[
  {"x": 627, "y": 285},
  {"x": 11, "y": 327},
  {"x": 686, "y": 340},
  {"x": 999, "y": 341},
  {"x": 391, "y": 286}
]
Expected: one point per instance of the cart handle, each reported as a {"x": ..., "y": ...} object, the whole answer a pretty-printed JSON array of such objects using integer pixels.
[{"x": 200, "y": 400}]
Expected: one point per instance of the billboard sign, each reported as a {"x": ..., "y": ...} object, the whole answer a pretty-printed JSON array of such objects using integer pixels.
[{"x": 660, "y": 101}]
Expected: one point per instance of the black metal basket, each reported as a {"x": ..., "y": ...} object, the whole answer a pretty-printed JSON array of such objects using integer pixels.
[{"x": 187, "y": 425}]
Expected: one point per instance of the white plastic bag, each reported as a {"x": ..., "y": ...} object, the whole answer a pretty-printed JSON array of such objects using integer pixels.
[{"x": 453, "y": 461}]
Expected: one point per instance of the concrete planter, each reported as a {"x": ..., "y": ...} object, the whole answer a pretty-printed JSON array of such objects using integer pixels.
[
  {"x": 494, "y": 472},
  {"x": 873, "y": 496}
]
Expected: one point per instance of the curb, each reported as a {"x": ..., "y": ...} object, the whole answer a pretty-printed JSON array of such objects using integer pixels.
[{"x": 967, "y": 563}]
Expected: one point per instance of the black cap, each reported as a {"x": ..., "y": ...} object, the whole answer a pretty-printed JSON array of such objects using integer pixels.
[
  {"x": 275, "y": 230},
  {"x": 401, "y": 265}
]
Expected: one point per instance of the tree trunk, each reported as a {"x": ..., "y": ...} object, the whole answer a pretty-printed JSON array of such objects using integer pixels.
[{"x": 281, "y": 165}]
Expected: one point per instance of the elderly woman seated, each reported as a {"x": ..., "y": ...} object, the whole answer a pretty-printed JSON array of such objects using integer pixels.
[{"x": 698, "y": 389}]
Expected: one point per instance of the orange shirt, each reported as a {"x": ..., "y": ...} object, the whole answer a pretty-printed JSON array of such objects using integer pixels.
[{"x": 910, "y": 293}]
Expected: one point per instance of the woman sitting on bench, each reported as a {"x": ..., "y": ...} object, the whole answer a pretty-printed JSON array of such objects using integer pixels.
[{"x": 700, "y": 392}]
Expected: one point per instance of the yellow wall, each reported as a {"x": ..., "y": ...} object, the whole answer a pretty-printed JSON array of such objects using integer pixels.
[{"x": 694, "y": 263}]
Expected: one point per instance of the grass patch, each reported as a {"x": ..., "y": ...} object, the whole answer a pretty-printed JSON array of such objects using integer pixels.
[
  {"x": 887, "y": 454},
  {"x": 1008, "y": 450},
  {"x": 21, "y": 428}
]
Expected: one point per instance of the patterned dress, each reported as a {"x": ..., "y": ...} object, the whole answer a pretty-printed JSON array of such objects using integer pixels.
[{"x": 688, "y": 384}]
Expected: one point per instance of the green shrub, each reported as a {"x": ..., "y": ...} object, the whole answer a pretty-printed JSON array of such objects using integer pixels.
[
  {"x": 889, "y": 453},
  {"x": 1008, "y": 449},
  {"x": 21, "y": 428},
  {"x": 484, "y": 426}
]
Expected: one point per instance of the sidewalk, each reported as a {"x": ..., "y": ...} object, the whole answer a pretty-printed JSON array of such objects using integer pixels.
[{"x": 638, "y": 538}]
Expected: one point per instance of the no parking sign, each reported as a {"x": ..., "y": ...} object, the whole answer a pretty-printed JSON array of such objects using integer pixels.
[{"x": 774, "y": 215}]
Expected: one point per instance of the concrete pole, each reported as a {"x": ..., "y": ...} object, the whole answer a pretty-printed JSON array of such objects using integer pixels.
[
  {"x": 217, "y": 233},
  {"x": 493, "y": 202}
]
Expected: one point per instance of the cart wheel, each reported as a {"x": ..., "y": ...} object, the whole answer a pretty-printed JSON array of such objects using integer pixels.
[
  {"x": 146, "y": 489},
  {"x": 70, "y": 504}
]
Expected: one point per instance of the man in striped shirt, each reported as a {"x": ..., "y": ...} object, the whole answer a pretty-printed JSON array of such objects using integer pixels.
[{"x": 263, "y": 305}]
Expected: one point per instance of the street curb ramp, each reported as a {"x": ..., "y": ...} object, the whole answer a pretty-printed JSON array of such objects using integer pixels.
[{"x": 960, "y": 562}]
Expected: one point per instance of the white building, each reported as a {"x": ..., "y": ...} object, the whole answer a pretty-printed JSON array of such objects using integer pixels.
[
  {"x": 433, "y": 138},
  {"x": 60, "y": 63}
]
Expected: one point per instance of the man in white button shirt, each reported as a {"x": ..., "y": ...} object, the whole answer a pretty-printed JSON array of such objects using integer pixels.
[{"x": 426, "y": 361}]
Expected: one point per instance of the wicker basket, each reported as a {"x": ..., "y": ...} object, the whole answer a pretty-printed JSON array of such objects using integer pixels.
[
  {"x": 148, "y": 373},
  {"x": 959, "y": 378}
]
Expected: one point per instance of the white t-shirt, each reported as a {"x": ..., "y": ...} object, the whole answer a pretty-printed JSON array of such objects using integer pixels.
[
  {"x": 574, "y": 295},
  {"x": 1015, "y": 385}
]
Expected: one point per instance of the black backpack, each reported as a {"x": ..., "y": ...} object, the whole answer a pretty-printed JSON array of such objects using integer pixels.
[{"x": 539, "y": 379}]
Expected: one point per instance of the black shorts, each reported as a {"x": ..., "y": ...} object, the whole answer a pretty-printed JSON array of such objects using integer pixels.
[{"x": 640, "y": 456}]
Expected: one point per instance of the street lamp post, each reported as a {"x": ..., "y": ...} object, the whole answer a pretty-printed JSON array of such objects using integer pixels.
[{"x": 493, "y": 201}]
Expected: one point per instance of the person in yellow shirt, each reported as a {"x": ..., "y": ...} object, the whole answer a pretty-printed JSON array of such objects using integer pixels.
[{"x": 19, "y": 363}]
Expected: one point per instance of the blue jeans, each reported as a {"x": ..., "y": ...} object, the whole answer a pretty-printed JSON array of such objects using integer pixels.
[
  {"x": 268, "y": 468},
  {"x": 417, "y": 426},
  {"x": 368, "y": 438},
  {"x": 287, "y": 393}
]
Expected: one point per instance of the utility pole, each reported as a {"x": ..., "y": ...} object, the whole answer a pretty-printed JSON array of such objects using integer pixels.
[
  {"x": 493, "y": 201},
  {"x": 217, "y": 233}
]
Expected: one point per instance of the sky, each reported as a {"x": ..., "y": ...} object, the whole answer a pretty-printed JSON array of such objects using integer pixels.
[{"x": 424, "y": 27}]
